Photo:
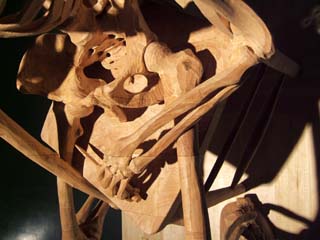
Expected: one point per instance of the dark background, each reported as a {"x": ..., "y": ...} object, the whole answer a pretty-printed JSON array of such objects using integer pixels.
[{"x": 28, "y": 202}]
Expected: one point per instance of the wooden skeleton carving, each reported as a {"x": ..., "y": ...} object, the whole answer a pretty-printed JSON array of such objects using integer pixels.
[{"x": 126, "y": 95}]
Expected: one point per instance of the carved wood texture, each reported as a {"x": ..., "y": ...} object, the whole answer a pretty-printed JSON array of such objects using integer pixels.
[{"x": 128, "y": 85}]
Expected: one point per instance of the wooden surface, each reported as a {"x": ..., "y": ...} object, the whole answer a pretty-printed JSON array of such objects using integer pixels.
[
  {"x": 286, "y": 168},
  {"x": 288, "y": 188},
  {"x": 115, "y": 135},
  {"x": 292, "y": 190},
  {"x": 273, "y": 160}
]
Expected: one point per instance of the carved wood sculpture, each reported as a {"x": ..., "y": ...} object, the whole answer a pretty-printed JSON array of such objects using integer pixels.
[
  {"x": 243, "y": 219},
  {"x": 126, "y": 94}
]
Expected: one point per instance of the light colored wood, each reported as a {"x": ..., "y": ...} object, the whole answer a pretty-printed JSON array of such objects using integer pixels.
[
  {"x": 276, "y": 192},
  {"x": 193, "y": 216},
  {"x": 43, "y": 156},
  {"x": 130, "y": 145},
  {"x": 298, "y": 175},
  {"x": 243, "y": 21},
  {"x": 69, "y": 225},
  {"x": 124, "y": 74},
  {"x": 90, "y": 219},
  {"x": 241, "y": 215},
  {"x": 168, "y": 66},
  {"x": 54, "y": 13},
  {"x": 83, "y": 225}
]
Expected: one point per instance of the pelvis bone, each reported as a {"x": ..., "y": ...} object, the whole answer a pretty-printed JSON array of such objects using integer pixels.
[
  {"x": 126, "y": 96},
  {"x": 123, "y": 84},
  {"x": 108, "y": 58}
]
